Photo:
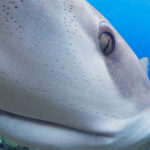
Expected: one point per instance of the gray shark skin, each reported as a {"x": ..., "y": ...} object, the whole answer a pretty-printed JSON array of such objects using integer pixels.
[{"x": 58, "y": 90}]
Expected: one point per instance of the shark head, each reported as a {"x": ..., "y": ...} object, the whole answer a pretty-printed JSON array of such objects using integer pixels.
[{"x": 68, "y": 80}]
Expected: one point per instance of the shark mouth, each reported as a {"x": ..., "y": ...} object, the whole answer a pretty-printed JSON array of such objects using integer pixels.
[{"x": 44, "y": 135}]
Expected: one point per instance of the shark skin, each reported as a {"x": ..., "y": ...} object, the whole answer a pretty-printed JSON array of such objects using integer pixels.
[{"x": 59, "y": 90}]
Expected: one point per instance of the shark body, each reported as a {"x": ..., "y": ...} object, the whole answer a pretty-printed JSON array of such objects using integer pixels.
[{"x": 58, "y": 88}]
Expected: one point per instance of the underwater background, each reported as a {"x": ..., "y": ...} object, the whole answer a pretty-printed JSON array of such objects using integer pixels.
[{"x": 131, "y": 18}]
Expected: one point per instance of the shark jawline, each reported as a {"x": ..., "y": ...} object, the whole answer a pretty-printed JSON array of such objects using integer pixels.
[{"x": 53, "y": 124}]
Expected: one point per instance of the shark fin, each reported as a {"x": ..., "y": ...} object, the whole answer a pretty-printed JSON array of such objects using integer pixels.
[{"x": 145, "y": 63}]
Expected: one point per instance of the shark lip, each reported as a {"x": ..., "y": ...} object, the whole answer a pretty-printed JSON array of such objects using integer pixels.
[
  {"x": 48, "y": 123},
  {"x": 45, "y": 135}
]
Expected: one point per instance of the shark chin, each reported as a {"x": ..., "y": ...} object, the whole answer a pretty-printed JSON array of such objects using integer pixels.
[
  {"x": 45, "y": 135},
  {"x": 48, "y": 134}
]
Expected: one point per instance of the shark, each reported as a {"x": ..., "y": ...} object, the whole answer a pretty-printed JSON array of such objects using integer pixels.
[{"x": 68, "y": 80}]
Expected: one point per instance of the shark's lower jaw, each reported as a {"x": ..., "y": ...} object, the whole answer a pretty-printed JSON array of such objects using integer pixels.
[{"x": 47, "y": 135}]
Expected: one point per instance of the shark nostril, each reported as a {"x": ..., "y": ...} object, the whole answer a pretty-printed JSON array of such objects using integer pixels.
[{"x": 106, "y": 43}]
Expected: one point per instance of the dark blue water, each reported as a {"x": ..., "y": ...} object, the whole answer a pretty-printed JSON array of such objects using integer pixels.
[{"x": 131, "y": 18}]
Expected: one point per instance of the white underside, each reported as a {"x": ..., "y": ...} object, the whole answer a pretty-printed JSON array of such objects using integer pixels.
[{"x": 46, "y": 135}]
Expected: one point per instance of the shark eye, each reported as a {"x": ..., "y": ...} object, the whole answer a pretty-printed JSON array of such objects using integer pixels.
[{"x": 106, "y": 42}]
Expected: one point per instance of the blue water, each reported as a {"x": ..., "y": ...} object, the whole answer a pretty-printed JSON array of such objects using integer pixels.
[{"x": 131, "y": 18}]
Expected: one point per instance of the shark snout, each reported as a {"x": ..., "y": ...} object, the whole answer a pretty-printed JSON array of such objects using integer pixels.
[{"x": 71, "y": 81}]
